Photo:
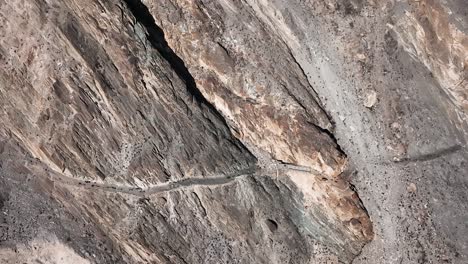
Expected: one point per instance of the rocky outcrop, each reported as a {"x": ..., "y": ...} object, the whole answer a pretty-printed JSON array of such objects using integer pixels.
[
  {"x": 435, "y": 36},
  {"x": 106, "y": 104},
  {"x": 97, "y": 102},
  {"x": 180, "y": 131}
]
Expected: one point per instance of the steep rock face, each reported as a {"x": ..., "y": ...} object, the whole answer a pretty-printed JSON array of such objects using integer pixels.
[
  {"x": 106, "y": 104},
  {"x": 92, "y": 102},
  {"x": 433, "y": 34},
  {"x": 273, "y": 109},
  {"x": 181, "y": 131}
]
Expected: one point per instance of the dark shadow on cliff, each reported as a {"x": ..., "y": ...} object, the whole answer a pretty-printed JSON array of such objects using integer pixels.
[
  {"x": 155, "y": 36},
  {"x": 158, "y": 41}
]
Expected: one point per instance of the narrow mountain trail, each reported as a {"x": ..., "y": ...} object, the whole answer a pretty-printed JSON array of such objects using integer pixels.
[{"x": 271, "y": 170}]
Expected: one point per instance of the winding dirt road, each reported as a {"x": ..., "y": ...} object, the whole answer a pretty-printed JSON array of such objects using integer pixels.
[{"x": 216, "y": 180}]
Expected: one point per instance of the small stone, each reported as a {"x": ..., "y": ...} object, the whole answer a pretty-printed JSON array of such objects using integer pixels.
[
  {"x": 411, "y": 188},
  {"x": 396, "y": 125},
  {"x": 371, "y": 99},
  {"x": 400, "y": 149},
  {"x": 361, "y": 57}
]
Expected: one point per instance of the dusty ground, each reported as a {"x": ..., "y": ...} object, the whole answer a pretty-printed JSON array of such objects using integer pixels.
[{"x": 409, "y": 149}]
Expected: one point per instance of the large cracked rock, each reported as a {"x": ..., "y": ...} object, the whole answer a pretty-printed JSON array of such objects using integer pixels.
[{"x": 254, "y": 131}]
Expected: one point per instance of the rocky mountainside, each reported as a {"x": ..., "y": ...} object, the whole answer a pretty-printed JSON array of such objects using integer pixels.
[{"x": 233, "y": 131}]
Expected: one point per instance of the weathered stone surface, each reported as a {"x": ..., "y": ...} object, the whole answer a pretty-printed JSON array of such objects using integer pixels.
[
  {"x": 273, "y": 108},
  {"x": 433, "y": 34},
  {"x": 94, "y": 100},
  {"x": 196, "y": 131}
]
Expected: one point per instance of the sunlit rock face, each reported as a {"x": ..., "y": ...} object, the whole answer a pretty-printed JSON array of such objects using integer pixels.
[
  {"x": 95, "y": 101},
  {"x": 257, "y": 131},
  {"x": 433, "y": 33}
]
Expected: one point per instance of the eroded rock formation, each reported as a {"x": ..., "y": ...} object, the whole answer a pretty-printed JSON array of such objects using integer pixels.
[{"x": 193, "y": 131}]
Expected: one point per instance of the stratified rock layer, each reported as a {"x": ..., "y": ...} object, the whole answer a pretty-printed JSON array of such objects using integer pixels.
[{"x": 94, "y": 100}]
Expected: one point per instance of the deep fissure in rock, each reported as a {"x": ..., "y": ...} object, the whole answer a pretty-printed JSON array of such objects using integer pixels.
[
  {"x": 156, "y": 37},
  {"x": 158, "y": 41}
]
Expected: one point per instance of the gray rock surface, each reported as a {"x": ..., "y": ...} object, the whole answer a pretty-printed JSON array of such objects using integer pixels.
[{"x": 253, "y": 131}]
